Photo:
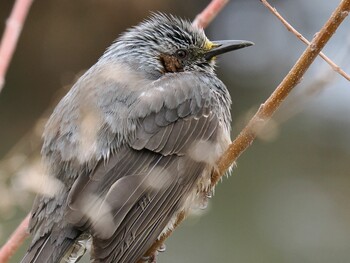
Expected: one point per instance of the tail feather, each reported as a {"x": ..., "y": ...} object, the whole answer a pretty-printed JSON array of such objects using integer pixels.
[{"x": 49, "y": 249}]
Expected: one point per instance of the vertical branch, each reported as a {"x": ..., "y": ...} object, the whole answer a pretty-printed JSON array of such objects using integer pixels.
[
  {"x": 12, "y": 31},
  {"x": 209, "y": 13},
  {"x": 14, "y": 241}
]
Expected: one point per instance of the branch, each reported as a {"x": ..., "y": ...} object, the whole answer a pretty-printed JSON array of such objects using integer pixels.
[
  {"x": 267, "y": 109},
  {"x": 290, "y": 28},
  {"x": 12, "y": 31},
  {"x": 209, "y": 13},
  {"x": 15, "y": 240}
]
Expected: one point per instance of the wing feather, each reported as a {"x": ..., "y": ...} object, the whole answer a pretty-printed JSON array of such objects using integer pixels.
[{"x": 139, "y": 189}]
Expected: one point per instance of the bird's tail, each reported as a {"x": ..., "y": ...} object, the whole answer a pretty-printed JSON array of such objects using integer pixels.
[{"x": 52, "y": 249}]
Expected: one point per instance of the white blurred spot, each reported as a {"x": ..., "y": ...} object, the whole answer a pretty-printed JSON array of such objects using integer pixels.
[
  {"x": 267, "y": 131},
  {"x": 34, "y": 178},
  {"x": 160, "y": 88},
  {"x": 205, "y": 151},
  {"x": 123, "y": 74},
  {"x": 157, "y": 179},
  {"x": 99, "y": 212},
  {"x": 90, "y": 124}
]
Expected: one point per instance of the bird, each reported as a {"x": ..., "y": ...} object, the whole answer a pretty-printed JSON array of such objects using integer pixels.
[{"x": 132, "y": 145}]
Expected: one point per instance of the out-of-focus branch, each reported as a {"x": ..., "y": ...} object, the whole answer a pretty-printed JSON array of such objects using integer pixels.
[
  {"x": 290, "y": 28},
  {"x": 14, "y": 241},
  {"x": 8, "y": 43},
  {"x": 326, "y": 75},
  {"x": 11, "y": 34},
  {"x": 209, "y": 13},
  {"x": 267, "y": 109}
]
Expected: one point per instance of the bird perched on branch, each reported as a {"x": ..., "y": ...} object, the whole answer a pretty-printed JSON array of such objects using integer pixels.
[{"x": 133, "y": 145}]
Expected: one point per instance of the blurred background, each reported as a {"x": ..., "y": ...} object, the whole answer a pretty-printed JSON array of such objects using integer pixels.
[{"x": 287, "y": 200}]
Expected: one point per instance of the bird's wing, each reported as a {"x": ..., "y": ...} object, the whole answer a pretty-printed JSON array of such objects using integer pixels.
[{"x": 128, "y": 200}]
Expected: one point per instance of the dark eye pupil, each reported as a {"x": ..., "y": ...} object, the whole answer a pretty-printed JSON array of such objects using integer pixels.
[{"x": 181, "y": 53}]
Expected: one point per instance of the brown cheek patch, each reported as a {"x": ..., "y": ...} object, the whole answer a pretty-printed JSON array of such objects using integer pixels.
[{"x": 170, "y": 63}]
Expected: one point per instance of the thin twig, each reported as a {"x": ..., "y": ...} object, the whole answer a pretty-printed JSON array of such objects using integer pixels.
[
  {"x": 14, "y": 242},
  {"x": 290, "y": 28},
  {"x": 209, "y": 13},
  {"x": 12, "y": 32},
  {"x": 267, "y": 109},
  {"x": 325, "y": 76},
  {"x": 8, "y": 44}
]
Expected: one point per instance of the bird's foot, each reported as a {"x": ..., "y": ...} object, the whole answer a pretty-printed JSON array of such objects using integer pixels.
[{"x": 152, "y": 258}]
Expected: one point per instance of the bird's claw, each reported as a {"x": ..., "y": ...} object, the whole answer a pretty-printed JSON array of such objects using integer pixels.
[{"x": 152, "y": 258}]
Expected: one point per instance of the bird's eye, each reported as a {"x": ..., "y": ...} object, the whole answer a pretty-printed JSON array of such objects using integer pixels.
[{"x": 181, "y": 54}]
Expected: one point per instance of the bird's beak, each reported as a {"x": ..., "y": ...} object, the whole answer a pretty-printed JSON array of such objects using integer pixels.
[{"x": 223, "y": 46}]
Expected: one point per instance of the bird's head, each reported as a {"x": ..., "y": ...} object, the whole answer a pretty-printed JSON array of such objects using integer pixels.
[{"x": 167, "y": 44}]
